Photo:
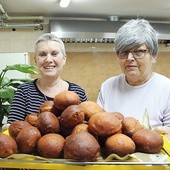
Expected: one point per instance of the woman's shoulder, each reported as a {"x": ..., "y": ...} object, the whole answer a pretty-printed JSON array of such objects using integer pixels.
[
  {"x": 162, "y": 81},
  {"x": 74, "y": 86},
  {"x": 26, "y": 85},
  {"x": 113, "y": 79},
  {"x": 161, "y": 78},
  {"x": 77, "y": 89}
]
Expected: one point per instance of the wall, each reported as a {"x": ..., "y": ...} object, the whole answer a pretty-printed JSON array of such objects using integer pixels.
[
  {"x": 90, "y": 64},
  {"x": 14, "y": 58},
  {"x": 87, "y": 64},
  {"x": 21, "y": 40},
  {"x": 91, "y": 69}
]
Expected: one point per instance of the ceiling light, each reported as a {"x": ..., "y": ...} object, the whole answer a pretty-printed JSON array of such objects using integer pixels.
[{"x": 64, "y": 3}]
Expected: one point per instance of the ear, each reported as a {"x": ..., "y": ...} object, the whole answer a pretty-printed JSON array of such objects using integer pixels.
[
  {"x": 35, "y": 59},
  {"x": 153, "y": 59},
  {"x": 64, "y": 59}
]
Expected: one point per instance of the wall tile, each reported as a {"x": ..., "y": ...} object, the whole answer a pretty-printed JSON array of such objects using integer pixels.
[
  {"x": 4, "y": 46},
  {"x": 4, "y": 35},
  {"x": 18, "y": 45}
]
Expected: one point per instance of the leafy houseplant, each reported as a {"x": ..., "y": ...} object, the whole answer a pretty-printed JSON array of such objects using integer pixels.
[{"x": 9, "y": 86}]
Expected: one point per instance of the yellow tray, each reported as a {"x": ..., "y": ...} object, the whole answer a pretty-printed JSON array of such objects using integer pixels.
[
  {"x": 128, "y": 163},
  {"x": 39, "y": 165},
  {"x": 24, "y": 161}
]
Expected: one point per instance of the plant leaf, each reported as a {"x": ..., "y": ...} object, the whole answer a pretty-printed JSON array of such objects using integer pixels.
[
  {"x": 5, "y": 80},
  {"x": 7, "y": 92},
  {"x": 25, "y": 68}
]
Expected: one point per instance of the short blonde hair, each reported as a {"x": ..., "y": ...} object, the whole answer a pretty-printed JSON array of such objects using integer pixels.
[{"x": 51, "y": 37}]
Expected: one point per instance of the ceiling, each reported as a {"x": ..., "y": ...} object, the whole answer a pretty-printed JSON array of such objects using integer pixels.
[
  {"x": 40, "y": 12},
  {"x": 148, "y": 9}
]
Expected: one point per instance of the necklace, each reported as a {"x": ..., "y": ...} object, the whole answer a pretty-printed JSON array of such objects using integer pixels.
[
  {"x": 48, "y": 94},
  {"x": 45, "y": 97}
]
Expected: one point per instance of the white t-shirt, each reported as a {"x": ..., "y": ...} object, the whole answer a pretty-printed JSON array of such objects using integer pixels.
[{"x": 116, "y": 95}]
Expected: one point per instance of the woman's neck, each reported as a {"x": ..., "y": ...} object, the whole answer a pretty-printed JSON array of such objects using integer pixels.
[
  {"x": 138, "y": 81},
  {"x": 49, "y": 82},
  {"x": 50, "y": 87}
]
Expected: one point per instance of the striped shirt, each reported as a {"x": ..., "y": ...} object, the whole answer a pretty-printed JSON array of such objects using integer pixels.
[{"x": 28, "y": 99}]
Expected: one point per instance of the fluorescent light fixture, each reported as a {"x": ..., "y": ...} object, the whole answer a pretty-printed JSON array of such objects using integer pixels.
[{"x": 64, "y": 3}]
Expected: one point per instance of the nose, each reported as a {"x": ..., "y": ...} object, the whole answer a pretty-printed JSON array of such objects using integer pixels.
[
  {"x": 48, "y": 57},
  {"x": 130, "y": 56}
]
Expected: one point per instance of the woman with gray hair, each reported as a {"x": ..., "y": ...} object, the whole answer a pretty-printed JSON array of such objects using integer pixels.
[
  {"x": 138, "y": 88},
  {"x": 50, "y": 57}
]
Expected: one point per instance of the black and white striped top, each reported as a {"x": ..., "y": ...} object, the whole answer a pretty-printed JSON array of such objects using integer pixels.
[{"x": 28, "y": 99}]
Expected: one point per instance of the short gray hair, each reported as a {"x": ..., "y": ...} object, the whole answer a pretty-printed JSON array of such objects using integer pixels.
[
  {"x": 51, "y": 37},
  {"x": 135, "y": 33}
]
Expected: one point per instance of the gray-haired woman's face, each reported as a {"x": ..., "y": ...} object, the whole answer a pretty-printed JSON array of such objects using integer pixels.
[{"x": 137, "y": 69}]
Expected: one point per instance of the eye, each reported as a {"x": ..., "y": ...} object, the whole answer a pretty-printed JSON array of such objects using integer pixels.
[
  {"x": 42, "y": 54},
  {"x": 54, "y": 53},
  {"x": 140, "y": 52},
  {"x": 123, "y": 53}
]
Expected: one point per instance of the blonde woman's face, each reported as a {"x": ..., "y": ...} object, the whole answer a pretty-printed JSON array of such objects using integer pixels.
[{"x": 49, "y": 58}]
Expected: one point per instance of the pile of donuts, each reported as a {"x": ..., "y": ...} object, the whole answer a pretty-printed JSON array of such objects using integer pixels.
[{"x": 80, "y": 131}]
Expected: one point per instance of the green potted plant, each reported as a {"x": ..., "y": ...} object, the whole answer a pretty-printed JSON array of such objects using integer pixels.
[{"x": 8, "y": 86}]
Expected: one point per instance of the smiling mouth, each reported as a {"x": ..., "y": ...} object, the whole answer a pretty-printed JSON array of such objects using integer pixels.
[{"x": 49, "y": 67}]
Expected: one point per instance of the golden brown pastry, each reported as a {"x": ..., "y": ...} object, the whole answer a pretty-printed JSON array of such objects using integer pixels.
[
  {"x": 130, "y": 125},
  {"x": 71, "y": 117},
  {"x": 147, "y": 141},
  {"x": 118, "y": 115},
  {"x": 48, "y": 106},
  {"x": 81, "y": 146},
  {"x": 104, "y": 124},
  {"x": 50, "y": 145},
  {"x": 119, "y": 144},
  {"x": 27, "y": 139},
  {"x": 32, "y": 119},
  {"x": 16, "y": 126},
  {"x": 80, "y": 128},
  {"x": 89, "y": 108},
  {"x": 8, "y": 146},
  {"x": 47, "y": 122},
  {"x": 65, "y": 99}
]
